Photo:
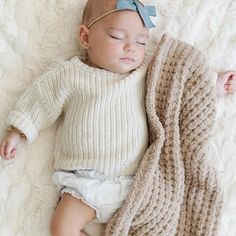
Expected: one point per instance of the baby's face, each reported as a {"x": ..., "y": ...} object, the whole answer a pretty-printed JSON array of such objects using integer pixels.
[{"x": 117, "y": 42}]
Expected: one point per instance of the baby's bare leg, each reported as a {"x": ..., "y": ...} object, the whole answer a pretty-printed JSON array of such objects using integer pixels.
[{"x": 70, "y": 216}]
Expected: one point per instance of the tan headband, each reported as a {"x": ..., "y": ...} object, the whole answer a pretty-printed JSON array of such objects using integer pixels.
[{"x": 102, "y": 16}]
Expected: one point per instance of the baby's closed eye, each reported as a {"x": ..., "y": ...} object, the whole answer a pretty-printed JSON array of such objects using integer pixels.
[
  {"x": 118, "y": 37},
  {"x": 141, "y": 42}
]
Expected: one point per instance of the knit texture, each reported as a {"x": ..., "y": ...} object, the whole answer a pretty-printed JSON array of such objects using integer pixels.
[
  {"x": 103, "y": 124},
  {"x": 175, "y": 190}
]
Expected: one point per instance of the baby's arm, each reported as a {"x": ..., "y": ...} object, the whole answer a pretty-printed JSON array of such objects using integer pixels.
[
  {"x": 226, "y": 82},
  {"x": 9, "y": 143}
]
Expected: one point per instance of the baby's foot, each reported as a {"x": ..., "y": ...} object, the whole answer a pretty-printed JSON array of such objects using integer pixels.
[{"x": 226, "y": 83}]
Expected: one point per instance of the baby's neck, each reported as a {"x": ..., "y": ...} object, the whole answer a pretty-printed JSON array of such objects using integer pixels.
[{"x": 89, "y": 63}]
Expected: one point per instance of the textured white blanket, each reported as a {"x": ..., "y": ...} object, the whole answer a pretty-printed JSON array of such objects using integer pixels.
[{"x": 33, "y": 33}]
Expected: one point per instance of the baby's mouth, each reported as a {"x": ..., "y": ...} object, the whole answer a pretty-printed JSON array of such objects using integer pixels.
[{"x": 127, "y": 60}]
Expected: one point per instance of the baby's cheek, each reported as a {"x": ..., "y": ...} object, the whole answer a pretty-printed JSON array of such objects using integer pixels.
[{"x": 141, "y": 56}]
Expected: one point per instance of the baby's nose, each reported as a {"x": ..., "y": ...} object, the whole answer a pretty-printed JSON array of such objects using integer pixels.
[{"x": 129, "y": 47}]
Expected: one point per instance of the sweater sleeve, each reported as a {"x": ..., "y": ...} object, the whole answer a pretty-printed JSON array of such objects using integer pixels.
[{"x": 40, "y": 105}]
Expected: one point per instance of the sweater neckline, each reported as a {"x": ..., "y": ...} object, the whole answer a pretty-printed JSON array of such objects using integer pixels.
[{"x": 80, "y": 58}]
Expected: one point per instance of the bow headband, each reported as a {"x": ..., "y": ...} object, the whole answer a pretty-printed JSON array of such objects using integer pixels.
[{"x": 134, "y": 5}]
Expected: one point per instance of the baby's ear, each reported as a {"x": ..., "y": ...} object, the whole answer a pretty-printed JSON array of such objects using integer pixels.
[{"x": 83, "y": 36}]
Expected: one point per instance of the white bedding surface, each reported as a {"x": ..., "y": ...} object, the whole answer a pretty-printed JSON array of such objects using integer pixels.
[{"x": 34, "y": 33}]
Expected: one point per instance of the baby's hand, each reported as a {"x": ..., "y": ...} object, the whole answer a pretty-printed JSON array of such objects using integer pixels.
[
  {"x": 8, "y": 145},
  {"x": 226, "y": 82}
]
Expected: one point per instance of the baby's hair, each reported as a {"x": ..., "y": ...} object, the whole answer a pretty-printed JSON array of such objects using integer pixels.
[
  {"x": 86, "y": 14},
  {"x": 95, "y": 8}
]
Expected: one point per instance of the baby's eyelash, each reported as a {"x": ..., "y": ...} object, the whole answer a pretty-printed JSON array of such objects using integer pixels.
[
  {"x": 144, "y": 44},
  {"x": 115, "y": 37},
  {"x": 120, "y": 38}
]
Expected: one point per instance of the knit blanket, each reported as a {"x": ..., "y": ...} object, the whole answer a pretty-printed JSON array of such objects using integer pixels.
[
  {"x": 35, "y": 33},
  {"x": 175, "y": 190}
]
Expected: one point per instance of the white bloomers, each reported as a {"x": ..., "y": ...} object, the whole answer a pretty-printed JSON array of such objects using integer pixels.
[{"x": 102, "y": 193}]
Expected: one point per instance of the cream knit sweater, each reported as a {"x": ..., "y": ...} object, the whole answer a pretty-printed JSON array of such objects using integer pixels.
[
  {"x": 102, "y": 124},
  {"x": 175, "y": 190}
]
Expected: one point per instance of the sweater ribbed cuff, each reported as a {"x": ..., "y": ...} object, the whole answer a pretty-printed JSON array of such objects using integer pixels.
[{"x": 23, "y": 124}]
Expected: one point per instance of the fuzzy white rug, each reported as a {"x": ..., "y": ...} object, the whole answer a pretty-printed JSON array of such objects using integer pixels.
[{"x": 34, "y": 33}]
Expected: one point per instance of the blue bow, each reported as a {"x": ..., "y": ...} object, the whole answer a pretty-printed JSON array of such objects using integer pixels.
[{"x": 144, "y": 11}]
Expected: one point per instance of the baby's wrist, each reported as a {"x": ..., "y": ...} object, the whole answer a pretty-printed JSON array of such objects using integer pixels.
[{"x": 17, "y": 132}]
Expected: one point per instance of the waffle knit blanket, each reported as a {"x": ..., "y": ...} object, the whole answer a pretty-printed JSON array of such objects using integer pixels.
[{"x": 176, "y": 191}]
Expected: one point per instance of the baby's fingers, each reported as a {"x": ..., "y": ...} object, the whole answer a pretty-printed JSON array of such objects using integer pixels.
[
  {"x": 2, "y": 149},
  {"x": 230, "y": 85},
  {"x": 229, "y": 74},
  {"x": 229, "y": 88},
  {"x": 13, "y": 153},
  {"x": 233, "y": 76},
  {"x": 7, "y": 150}
]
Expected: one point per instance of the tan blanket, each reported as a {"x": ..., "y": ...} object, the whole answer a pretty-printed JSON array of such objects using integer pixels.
[{"x": 176, "y": 191}]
